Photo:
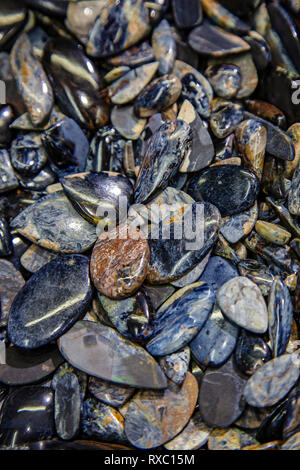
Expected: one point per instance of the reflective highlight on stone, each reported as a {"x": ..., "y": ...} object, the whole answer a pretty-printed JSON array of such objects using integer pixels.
[
  {"x": 280, "y": 309},
  {"x": 67, "y": 406},
  {"x": 164, "y": 47},
  {"x": 101, "y": 421}
]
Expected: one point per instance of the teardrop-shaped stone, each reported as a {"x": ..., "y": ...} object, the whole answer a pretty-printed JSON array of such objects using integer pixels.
[
  {"x": 165, "y": 152},
  {"x": 126, "y": 122},
  {"x": 280, "y": 309},
  {"x": 32, "y": 81},
  {"x": 216, "y": 340},
  {"x": 67, "y": 406},
  {"x": 242, "y": 302},
  {"x": 229, "y": 187},
  {"x": 251, "y": 138},
  {"x": 50, "y": 302},
  {"x": 179, "y": 320},
  {"x": 54, "y": 224},
  {"x": 272, "y": 233},
  {"x": 11, "y": 282},
  {"x": 154, "y": 418},
  {"x": 120, "y": 260},
  {"x": 123, "y": 361},
  {"x": 236, "y": 227},
  {"x": 272, "y": 381}
]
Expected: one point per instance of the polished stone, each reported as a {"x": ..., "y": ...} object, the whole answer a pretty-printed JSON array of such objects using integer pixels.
[
  {"x": 229, "y": 187},
  {"x": 251, "y": 139},
  {"x": 229, "y": 439},
  {"x": 294, "y": 194},
  {"x": 225, "y": 79},
  {"x": 242, "y": 302},
  {"x": 194, "y": 274},
  {"x": 54, "y": 224},
  {"x": 11, "y": 282},
  {"x": 176, "y": 365},
  {"x": 8, "y": 179},
  {"x": 179, "y": 320},
  {"x": 280, "y": 310},
  {"x": 6, "y": 246},
  {"x": 195, "y": 92},
  {"x": 27, "y": 153},
  {"x": 187, "y": 17},
  {"x": 251, "y": 353},
  {"x": 126, "y": 122},
  {"x": 225, "y": 117},
  {"x": 236, "y": 227},
  {"x": 164, "y": 47},
  {"x": 35, "y": 258},
  {"x": 125, "y": 363},
  {"x": 223, "y": 17},
  {"x": 193, "y": 437},
  {"x": 67, "y": 406},
  {"x": 218, "y": 271},
  {"x": 154, "y": 418},
  {"x": 6, "y": 118},
  {"x": 110, "y": 393},
  {"x": 50, "y": 302},
  {"x": 267, "y": 111},
  {"x": 134, "y": 56},
  {"x": 101, "y": 421},
  {"x": 272, "y": 233}
]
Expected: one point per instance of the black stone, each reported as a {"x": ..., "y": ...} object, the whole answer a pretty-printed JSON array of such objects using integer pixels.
[
  {"x": 187, "y": 14},
  {"x": 6, "y": 247},
  {"x": 251, "y": 352},
  {"x": 27, "y": 153}
]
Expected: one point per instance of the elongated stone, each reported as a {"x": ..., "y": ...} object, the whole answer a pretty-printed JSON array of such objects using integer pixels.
[
  {"x": 124, "y": 362},
  {"x": 176, "y": 365},
  {"x": 134, "y": 56},
  {"x": 173, "y": 139},
  {"x": 251, "y": 353},
  {"x": 101, "y": 421},
  {"x": 53, "y": 223},
  {"x": 26, "y": 405},
  {"x": 290, "y": 166},
  {"x": 8, "y": 179},
  {"x": 23, "y": 368},
  {"x": 285, "y": 217},
  {"x": 242, "y": 302},
  {"x": 236, "y": 227},
  {"x": 5, "y": 238},
  {"x": 220, "y": 396},
  {"x": 36, "y": 320},
  {"x": 187, "y": 17},
  {"x": 294, "y": 194},
  {"x": 109, "y": 393},
  {"x": 202, "y": 151},
  {"x": 272, "y": 381},
  {"x": 128, "y": 87},
  {"x": 11, "y": 281},
  {"x": 186, "y": 252},
  {"x": 119, "y": 262},
  {"x": 179, "y": 322},
  {"x": 159, "y": 95},
  {"x": 229, "y": 187},
  {"x": 96, "y": 196},
  {"x": 118, "y": 27},
  {"x": 213, "y": 41},
  {"x": 32, "y": 81},
  {"x": 223, "y": 17},
  {"x": 67, "y": 406},
  {"x": 280, "y": 309},
  {"x": 36, "y": 257},
  {"x": 116, "y": 73},
  {"x": 272, "y": 232},
  {"x": 193, "y": 437},
  {"x": 267, "y": 111},
  {"x": 251, "y": 138},
  {"x": 164, "y": 47},
  {"x": 215, "y": 341},
  {"x": 154, "y": 418}
]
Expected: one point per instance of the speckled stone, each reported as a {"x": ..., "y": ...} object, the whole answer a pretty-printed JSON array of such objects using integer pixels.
[
  {"x": 109, "y": 393},
  {"x": 128, "y": 87},
  {"x": 181, "y": 69},
  {"x": 176, "y": 365},
  {"x": 294, "y": 194},
  {"x": 242, "y": 302},
  {"x": 251, "y": 138},
  {"x": 220, "y": 396},
  {"x": 195, "y": 92},
  {"x": 229, "y": 187},
  {"x": 179, "y": 320},
  {"x": 218, "y": 271},
  {"x": 164, "y": 47},
  {"x": 53, "y": 223},
  {"x": 36, "y": 257},
  {"x": 8, "y": 179},
  {"x": 223, "y": 17},
  {"x": 173, "y": 139},
  {"x": 24, "y": 367},
  {"x": 67, "y": 406},
  {"x": 101, "y": 421},
  {"x": 159, "y": 95},
  {"x": 118, "y": 27},
  {"x": 272, "y": 381},
  {"x": 125, "y": 121},
  {"x": 272, "y": 233},
  {"x": 11, "y": 282},
  {"x": 32, "y": 81},
  {"x": 236, "y": 227},
  {"x": 26, "y": 405},
  {"x": 185, "y": 253},
  {"x": 216, "y": 340},
  {"x": 120, "y": 261},
  {"x": 154, "y": 418},
  {"x": 280, "y": 310},
  {"x": 225, "y": 79},
  {"x": 251, "y": 353},
  {"x": 125, "y": 363},
  {"x": 80, "y": 19},
  {"x": 202, "y": 151},
  {"x": 209, "y": 40},
  {"x": 194, "y": 435},
  {"x": 229, "y": 439},
  {"x": 50, "y": 302},
  {"x": 225, "y": 117}
]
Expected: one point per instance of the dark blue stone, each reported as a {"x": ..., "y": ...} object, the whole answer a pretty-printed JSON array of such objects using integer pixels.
[
  {"x": 216, "y": 340},
  {"x": 218, "y": 271},
  {"x": 180, "y": 321},
  {"x": 231, "y": 188},
  {"x": 50, "y": 302},
  {"x": 27, "y": 153}
]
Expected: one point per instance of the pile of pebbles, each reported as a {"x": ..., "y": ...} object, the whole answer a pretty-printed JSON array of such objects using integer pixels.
[{"x": 112, "y": 334}]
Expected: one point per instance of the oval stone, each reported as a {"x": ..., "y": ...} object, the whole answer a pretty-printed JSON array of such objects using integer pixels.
[
  {"x": 180, "y": 319},
  {"x": 53, "y": 223},
  {"x": 123, "y": 361},
  {"x": 280, "y": 309},
  {"x": 50, "y": 302},
  {"x": 242, "y": 302},
  {"x": 11, "y": 281},
  {"x": 67, "y": 406},
  {"x": 230, "y": 188},
  {"x": 154, "y": 418}
]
